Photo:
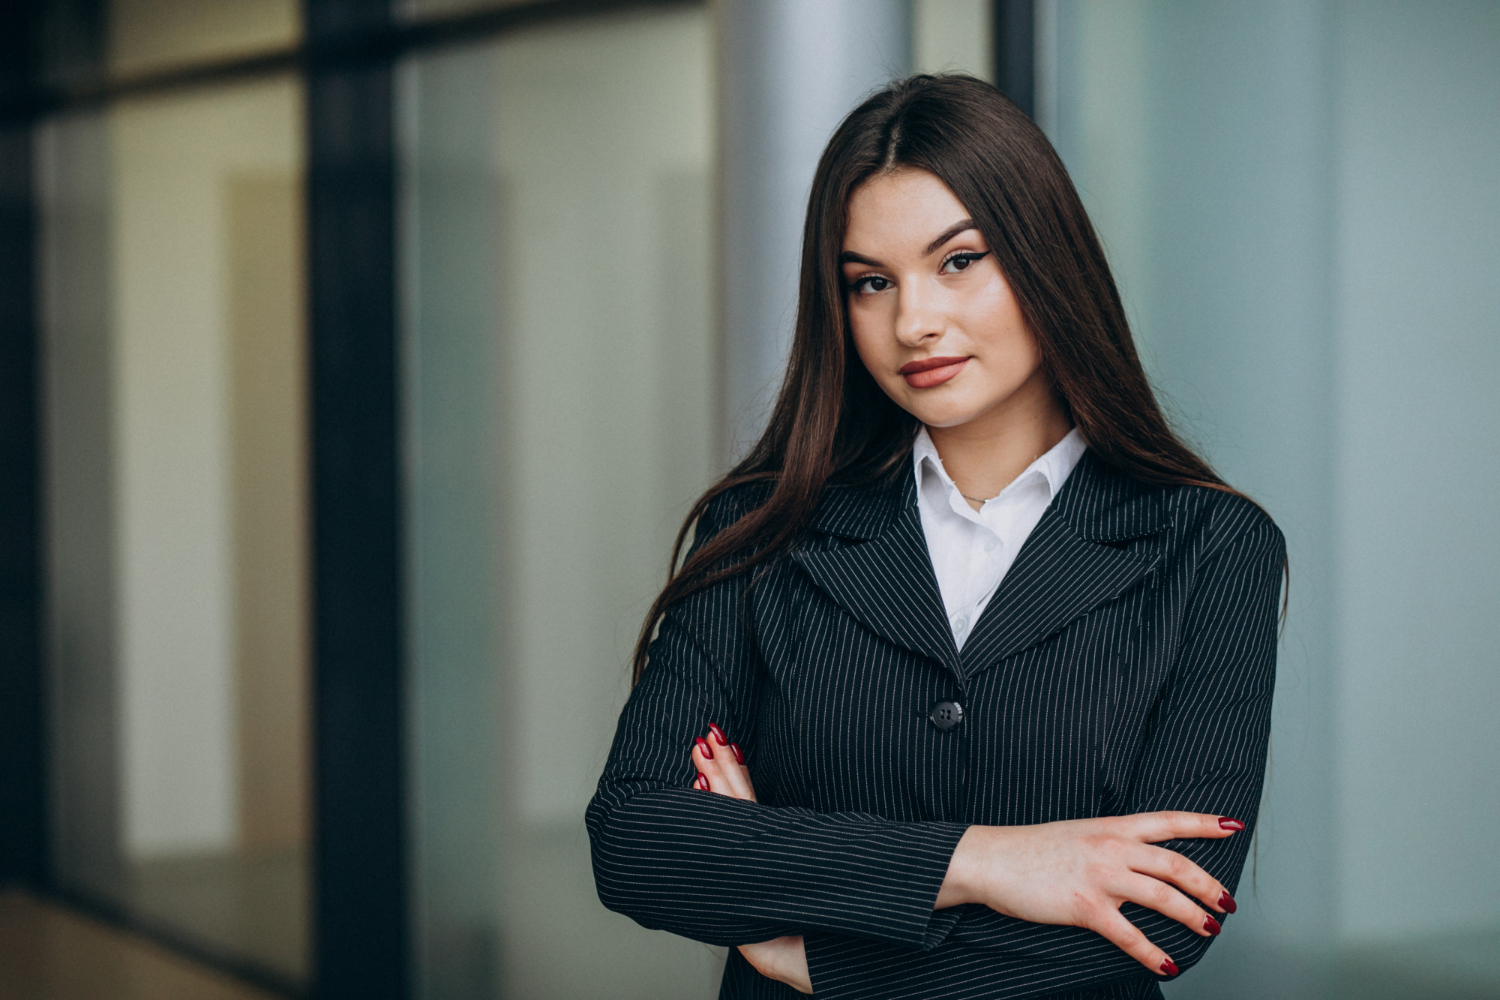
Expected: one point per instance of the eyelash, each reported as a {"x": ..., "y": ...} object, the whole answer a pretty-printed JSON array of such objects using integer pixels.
[
  {"x": 972, "y": 256},
  {"x": 858, "y": 285}
]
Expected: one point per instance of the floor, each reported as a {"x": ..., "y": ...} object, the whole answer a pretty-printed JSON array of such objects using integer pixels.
[
  {"x": 250, "y": 909},
  {"x": 50, "y": 953}
]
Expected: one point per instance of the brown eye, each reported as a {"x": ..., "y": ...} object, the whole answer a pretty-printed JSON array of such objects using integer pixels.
[
  {"x": 871, "y": 283},
  {"x": 961, "y": 261}
]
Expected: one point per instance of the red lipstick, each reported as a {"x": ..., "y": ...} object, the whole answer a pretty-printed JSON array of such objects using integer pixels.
[{"x": 931, "y": 372}]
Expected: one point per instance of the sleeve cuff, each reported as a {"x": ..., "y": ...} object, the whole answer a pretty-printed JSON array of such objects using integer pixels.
[{"x": 919, "y": 866}]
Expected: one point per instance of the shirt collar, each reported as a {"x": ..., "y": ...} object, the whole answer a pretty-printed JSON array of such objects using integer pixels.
[{"x": 1053, "y": 466}]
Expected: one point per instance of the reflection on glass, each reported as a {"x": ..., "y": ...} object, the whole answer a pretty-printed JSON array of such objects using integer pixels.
[
  {"x": 417, "y": 10},
  {"x": 560, "y": 399},
  {"x": 177, "y": 549},
  {"x": 1295, "y": 226},
  {"x": 151, "y": 35}
]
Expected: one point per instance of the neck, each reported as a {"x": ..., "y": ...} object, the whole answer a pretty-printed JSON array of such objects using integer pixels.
[{"x": 986, "y": 454}]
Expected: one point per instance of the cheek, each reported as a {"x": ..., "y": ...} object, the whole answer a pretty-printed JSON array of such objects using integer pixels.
[
  {"x": 994, "y": 321},
  {"x": 872, "y": 341}
]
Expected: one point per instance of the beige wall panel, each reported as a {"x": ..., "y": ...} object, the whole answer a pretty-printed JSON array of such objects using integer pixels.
[
  {"x": 174, "y": 459},
  {"x": 267, "y": 435},
  {"x": 147, "y": 35}
]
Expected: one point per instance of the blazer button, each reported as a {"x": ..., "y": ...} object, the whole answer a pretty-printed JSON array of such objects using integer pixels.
[{"x": 946, "y": 714}]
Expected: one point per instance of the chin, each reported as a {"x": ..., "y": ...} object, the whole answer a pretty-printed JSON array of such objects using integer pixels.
[{"x": 950, "y": 413}]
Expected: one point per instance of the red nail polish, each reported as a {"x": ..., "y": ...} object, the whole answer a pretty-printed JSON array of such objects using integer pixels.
[
  {"x": 1168, "y": 967},
  {"x": 1211, "y": 925},
  {"x": 739, "y": 755},
  {"x": 702, "y": 783},
  {"x": 718, "y": 734},
  {"x": 703, "y": 748},
  {"x": 1225, "y": 823},
  {"x": 1227, "y": 903}
]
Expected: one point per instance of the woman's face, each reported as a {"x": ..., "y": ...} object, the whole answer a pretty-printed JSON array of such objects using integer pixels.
[{"x": 933, "y": 318}]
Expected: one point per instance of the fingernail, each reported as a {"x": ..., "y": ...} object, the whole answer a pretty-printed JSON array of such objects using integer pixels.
[
  {"x": 718, "y": 734},
  {"x": 739, "y": 755},
  {"x": 704, "y": 748},
  {"x": 1227, "y": 903},
  {"x": 702, "y": 783},
  {"x": 1225, "y": 823},
  {"x": 1211, "y": 925},
  {"x": 1168, "y": 967}
]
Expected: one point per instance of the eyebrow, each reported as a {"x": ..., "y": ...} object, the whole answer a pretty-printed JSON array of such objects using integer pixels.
[
  {"x": 963, "y": 225},
  {"x": 947, "y": 234}
]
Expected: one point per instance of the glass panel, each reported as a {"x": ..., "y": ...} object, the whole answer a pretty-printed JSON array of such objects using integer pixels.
[
  {"x": 1302, "y": 225},
  {"x": 417, "y": 10},
  {"x": 79, "y": 41},
  {"x": 953, "y": 36},
  {"x": 153, "y": 35},
  {"x": 561, "y": 421},
  {"x": 177, "y": 552}
]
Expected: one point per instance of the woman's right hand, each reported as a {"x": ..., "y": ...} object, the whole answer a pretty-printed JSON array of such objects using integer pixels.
[{"x": 1079, "y": 872}]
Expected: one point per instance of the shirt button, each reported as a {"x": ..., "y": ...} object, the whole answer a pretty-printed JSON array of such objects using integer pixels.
[
  {"x": 946, "y": 714},
  {"x": 991, "y": 545},
  {"x": 960, "y": 623}
]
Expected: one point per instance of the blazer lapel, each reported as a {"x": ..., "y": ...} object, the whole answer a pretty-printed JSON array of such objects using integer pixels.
[
  {"x": 887, "y": 583},
  {"x": 1065, "y": 569}
]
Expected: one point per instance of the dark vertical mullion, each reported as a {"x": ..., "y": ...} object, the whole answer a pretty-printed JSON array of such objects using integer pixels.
[
  {"x": 1015, "y": 52},
  {"x": 360, "y": 922},
  {"x": 23, "y": 839}
]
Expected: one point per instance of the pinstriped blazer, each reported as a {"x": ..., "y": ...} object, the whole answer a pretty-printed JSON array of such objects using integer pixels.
[{"x": 1125, "y": 665}]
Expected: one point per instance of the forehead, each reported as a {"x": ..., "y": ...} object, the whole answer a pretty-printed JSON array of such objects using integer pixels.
[{"x": 897, "y": 209}]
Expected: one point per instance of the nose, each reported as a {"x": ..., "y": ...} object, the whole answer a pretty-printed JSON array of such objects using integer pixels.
[{"x": 917, "y": 318}]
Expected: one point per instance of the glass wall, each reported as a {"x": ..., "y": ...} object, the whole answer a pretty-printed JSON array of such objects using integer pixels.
[
  {"x": 1294, "y": 201},
  {"x": 151, "y": 36},
  {"x": 1298, "y": 200},
  {"x": 560, "y": 400},
  {"x": 175, "y": 477}
]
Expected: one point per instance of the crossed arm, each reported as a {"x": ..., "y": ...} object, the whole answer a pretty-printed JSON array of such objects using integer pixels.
[
  {"x": 1021, "y": 911},
  {"x": 1076, "y": 873}
]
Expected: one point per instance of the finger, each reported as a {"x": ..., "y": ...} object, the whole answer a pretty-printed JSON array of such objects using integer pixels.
[
  {"x": 739, "y": 756},
  {"x": 723, "y": 763},
  {"x": 737, "y": 781},
  {"x": 718, "y": 766},
  {"x": 1155, "y": 827},
  {"x": 1167, "y": 901},
  {"x": 1169, "y": 866},
  {"x": 735, "y": 772},
  {"x": 710, "y": 767},
  {"x": 1129, "y": 939}
]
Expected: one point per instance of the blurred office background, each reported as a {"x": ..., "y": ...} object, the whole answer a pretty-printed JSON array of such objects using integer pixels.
[{"x": 358, "y": 362}]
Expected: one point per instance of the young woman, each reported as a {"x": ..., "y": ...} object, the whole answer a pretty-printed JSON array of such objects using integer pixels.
[{"x": 972, "y": 657}]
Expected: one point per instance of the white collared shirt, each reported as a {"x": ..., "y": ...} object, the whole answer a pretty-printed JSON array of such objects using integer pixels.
[{"x": 972, "y": 549}]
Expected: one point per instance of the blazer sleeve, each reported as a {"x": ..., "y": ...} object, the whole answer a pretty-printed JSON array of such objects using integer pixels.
[
  {"x": 723, "y": 871},
  {"x": 1206, "y": 753}
]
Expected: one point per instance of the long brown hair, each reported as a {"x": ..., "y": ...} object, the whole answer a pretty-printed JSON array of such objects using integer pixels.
[{"x": 832, "y": 422}]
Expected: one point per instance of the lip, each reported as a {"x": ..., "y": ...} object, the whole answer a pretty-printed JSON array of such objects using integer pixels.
[{"x": 931, "y": 372}]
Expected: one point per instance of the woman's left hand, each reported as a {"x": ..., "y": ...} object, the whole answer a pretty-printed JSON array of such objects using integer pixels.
[{"x": 722, "y": 771}]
